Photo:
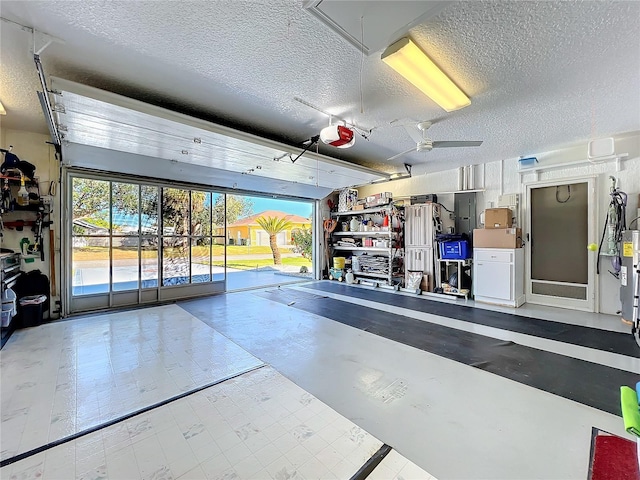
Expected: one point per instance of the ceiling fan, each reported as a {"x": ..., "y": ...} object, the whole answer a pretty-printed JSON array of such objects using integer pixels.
[{"x": 423, "y": 144}]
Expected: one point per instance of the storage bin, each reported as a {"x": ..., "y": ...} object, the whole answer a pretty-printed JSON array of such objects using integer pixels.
[
  {"x": 31, "y": 315},
  {"x": 9, "y": 301},
  {"x": 32, "y": 310},
  {"x": 454, "y": 250},
  {"x": 5, "y": 318}
]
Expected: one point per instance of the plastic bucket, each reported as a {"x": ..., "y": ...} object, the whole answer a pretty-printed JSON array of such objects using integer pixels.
[
  {"x": 339, "y": 262},
  {"x": 9, "y": 301}
]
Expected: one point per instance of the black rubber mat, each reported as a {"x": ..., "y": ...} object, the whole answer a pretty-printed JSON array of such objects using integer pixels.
[
  {"x": 585, "y": 382},
  {"x": 615, "y": 342}
]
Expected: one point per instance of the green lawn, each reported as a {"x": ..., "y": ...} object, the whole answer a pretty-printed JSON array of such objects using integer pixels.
[
  {"x": 251, "y": 264},
  {"x": 102, "y": 253}
]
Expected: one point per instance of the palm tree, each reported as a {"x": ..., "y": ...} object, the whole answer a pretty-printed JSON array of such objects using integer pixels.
[{"x": 273, "y": 226}]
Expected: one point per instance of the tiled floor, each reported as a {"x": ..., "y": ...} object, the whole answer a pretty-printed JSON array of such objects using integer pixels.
[
  {"x": 346, "y": 392},
  {"x": 452, "y": 420},
  {"x": 62, "y": 378},
  {"x": 259, "y": 425},
  {"x": 395, "y": 466}
]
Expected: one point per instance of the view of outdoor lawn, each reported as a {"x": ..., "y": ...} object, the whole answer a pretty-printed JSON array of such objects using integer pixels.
[{"x": 130, "y": 235}]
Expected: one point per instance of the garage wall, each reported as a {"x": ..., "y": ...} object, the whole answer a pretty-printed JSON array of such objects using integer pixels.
[
  {"x": 33, "y": 147},
  {"x": 502, "y": 177}
]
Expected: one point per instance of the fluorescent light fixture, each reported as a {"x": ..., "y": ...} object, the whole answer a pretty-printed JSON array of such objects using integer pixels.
[
  {"x": 2, "y": 110},
  {"x": 406, "y": 58}
]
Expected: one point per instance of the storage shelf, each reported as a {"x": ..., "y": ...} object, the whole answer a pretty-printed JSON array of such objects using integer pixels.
[
  {"x": 457, "y": 294},
  {"x": 366, "y": 210},
  {"x": 9, "y": 282},
  {"x": 26, "y": 208},
  {"x": 363, "y": 234},
  {"x": 12, "y": 268},
  {"x": 375, "y": 275},
  {"x": 368, "y": 249}
]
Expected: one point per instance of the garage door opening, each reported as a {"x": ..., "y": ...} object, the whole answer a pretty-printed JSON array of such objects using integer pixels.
[
  {"x": 269, "y": 241},
  {"x": 136, "y": 242}
]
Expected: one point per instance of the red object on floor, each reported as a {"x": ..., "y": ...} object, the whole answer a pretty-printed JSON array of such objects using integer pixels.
[{"x": 615, "y": 458}]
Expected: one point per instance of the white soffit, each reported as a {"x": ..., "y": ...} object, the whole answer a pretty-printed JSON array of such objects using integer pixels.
[
  {"x": 373, "y": 26},
  {"x": 90, "y": 117}
]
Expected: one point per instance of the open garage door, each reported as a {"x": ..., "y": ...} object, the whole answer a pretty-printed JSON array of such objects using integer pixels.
[
  {"x": 132, "y": 241},
  {"x": 109, "y": 132}
]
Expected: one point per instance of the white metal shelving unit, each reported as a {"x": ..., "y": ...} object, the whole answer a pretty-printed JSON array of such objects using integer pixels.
[{"x": 389, "y": 252}]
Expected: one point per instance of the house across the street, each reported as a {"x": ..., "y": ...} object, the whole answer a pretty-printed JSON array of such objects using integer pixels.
[{"x": 247, "y": 231}]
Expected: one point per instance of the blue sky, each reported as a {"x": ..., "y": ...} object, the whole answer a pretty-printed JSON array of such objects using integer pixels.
[{"x": 298, "y": 208}]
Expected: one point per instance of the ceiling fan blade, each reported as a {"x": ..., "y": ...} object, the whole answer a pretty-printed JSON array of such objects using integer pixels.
[
  {"x": 456, "y": 143},
  {"x": 414, "y": 133},
  {"x": 401, "y": 154}
]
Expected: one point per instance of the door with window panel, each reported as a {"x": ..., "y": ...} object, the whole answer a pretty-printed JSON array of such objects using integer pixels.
[{"x": 133, "y": 243}]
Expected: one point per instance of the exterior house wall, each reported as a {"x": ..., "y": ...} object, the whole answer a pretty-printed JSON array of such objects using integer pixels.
[{"x": 252, "y": 232}]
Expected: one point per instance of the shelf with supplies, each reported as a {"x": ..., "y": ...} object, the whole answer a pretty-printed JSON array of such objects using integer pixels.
[
  {"x": 370, "y": 241},
  {"x": 384, "y": 233},
  {"x": 23, "y": 208},
  {"x": 364, "y": 249},
  {"x": 380, "y": 209},
  {"x": 444, "y": 284}
]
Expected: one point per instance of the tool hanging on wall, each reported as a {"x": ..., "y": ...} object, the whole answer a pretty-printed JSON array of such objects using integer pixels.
[
  {"x": 329, "y": 226},
  {"x": 5, "y": 202},
  {"x": 37, "y": 247},
  {"x": 52, "y": 261},
  {"x": 614, "y": 225}
]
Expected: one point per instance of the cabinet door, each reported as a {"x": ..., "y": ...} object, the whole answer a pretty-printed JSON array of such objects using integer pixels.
[
  {"x": 493, "y": 280},
  {"x": 419, "y": 259},
  {"x": 410, "y": 259},
  {"x": 419, "y": 225},
  {"x": 427, "y": 225},
  {"x": 409, "y": 225}
]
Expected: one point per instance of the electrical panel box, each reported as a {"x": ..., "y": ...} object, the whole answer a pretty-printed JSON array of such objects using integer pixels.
[
  {"x": 465, "y": 210},
  {"x": 508, "y": 200}
]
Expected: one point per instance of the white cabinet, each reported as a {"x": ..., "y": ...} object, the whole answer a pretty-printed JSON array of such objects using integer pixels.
[
  {"x": 419, "y": 231},
  {"x": 498, "y": 276},
  {"x": 419, "y": 259},
  {"x": 419, "y": 239}
]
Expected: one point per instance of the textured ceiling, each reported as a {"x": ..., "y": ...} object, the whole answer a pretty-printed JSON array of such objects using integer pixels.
[{"x": 541, "y": 75}]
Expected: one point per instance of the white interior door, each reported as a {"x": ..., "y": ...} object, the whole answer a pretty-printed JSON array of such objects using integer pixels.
[{"x": 560, "y": 225}]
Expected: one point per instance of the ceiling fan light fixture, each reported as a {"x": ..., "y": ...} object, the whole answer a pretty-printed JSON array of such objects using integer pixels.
[
  {"x": 406, "y": 58},
  {"x": 337, "y": 136}
]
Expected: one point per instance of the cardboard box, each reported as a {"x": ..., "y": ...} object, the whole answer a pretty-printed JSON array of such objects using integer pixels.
[
  {"x": 360, "y": 206},
  {"x": 498, "y": 218},
  {"x": 497, "y": 238},
  {"x": 425, "y": 284}
]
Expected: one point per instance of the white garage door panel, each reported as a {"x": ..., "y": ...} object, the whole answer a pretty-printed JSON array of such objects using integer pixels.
[
  {"x": 90, "y": 117},
  {"x": 75, "y": 155}
]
